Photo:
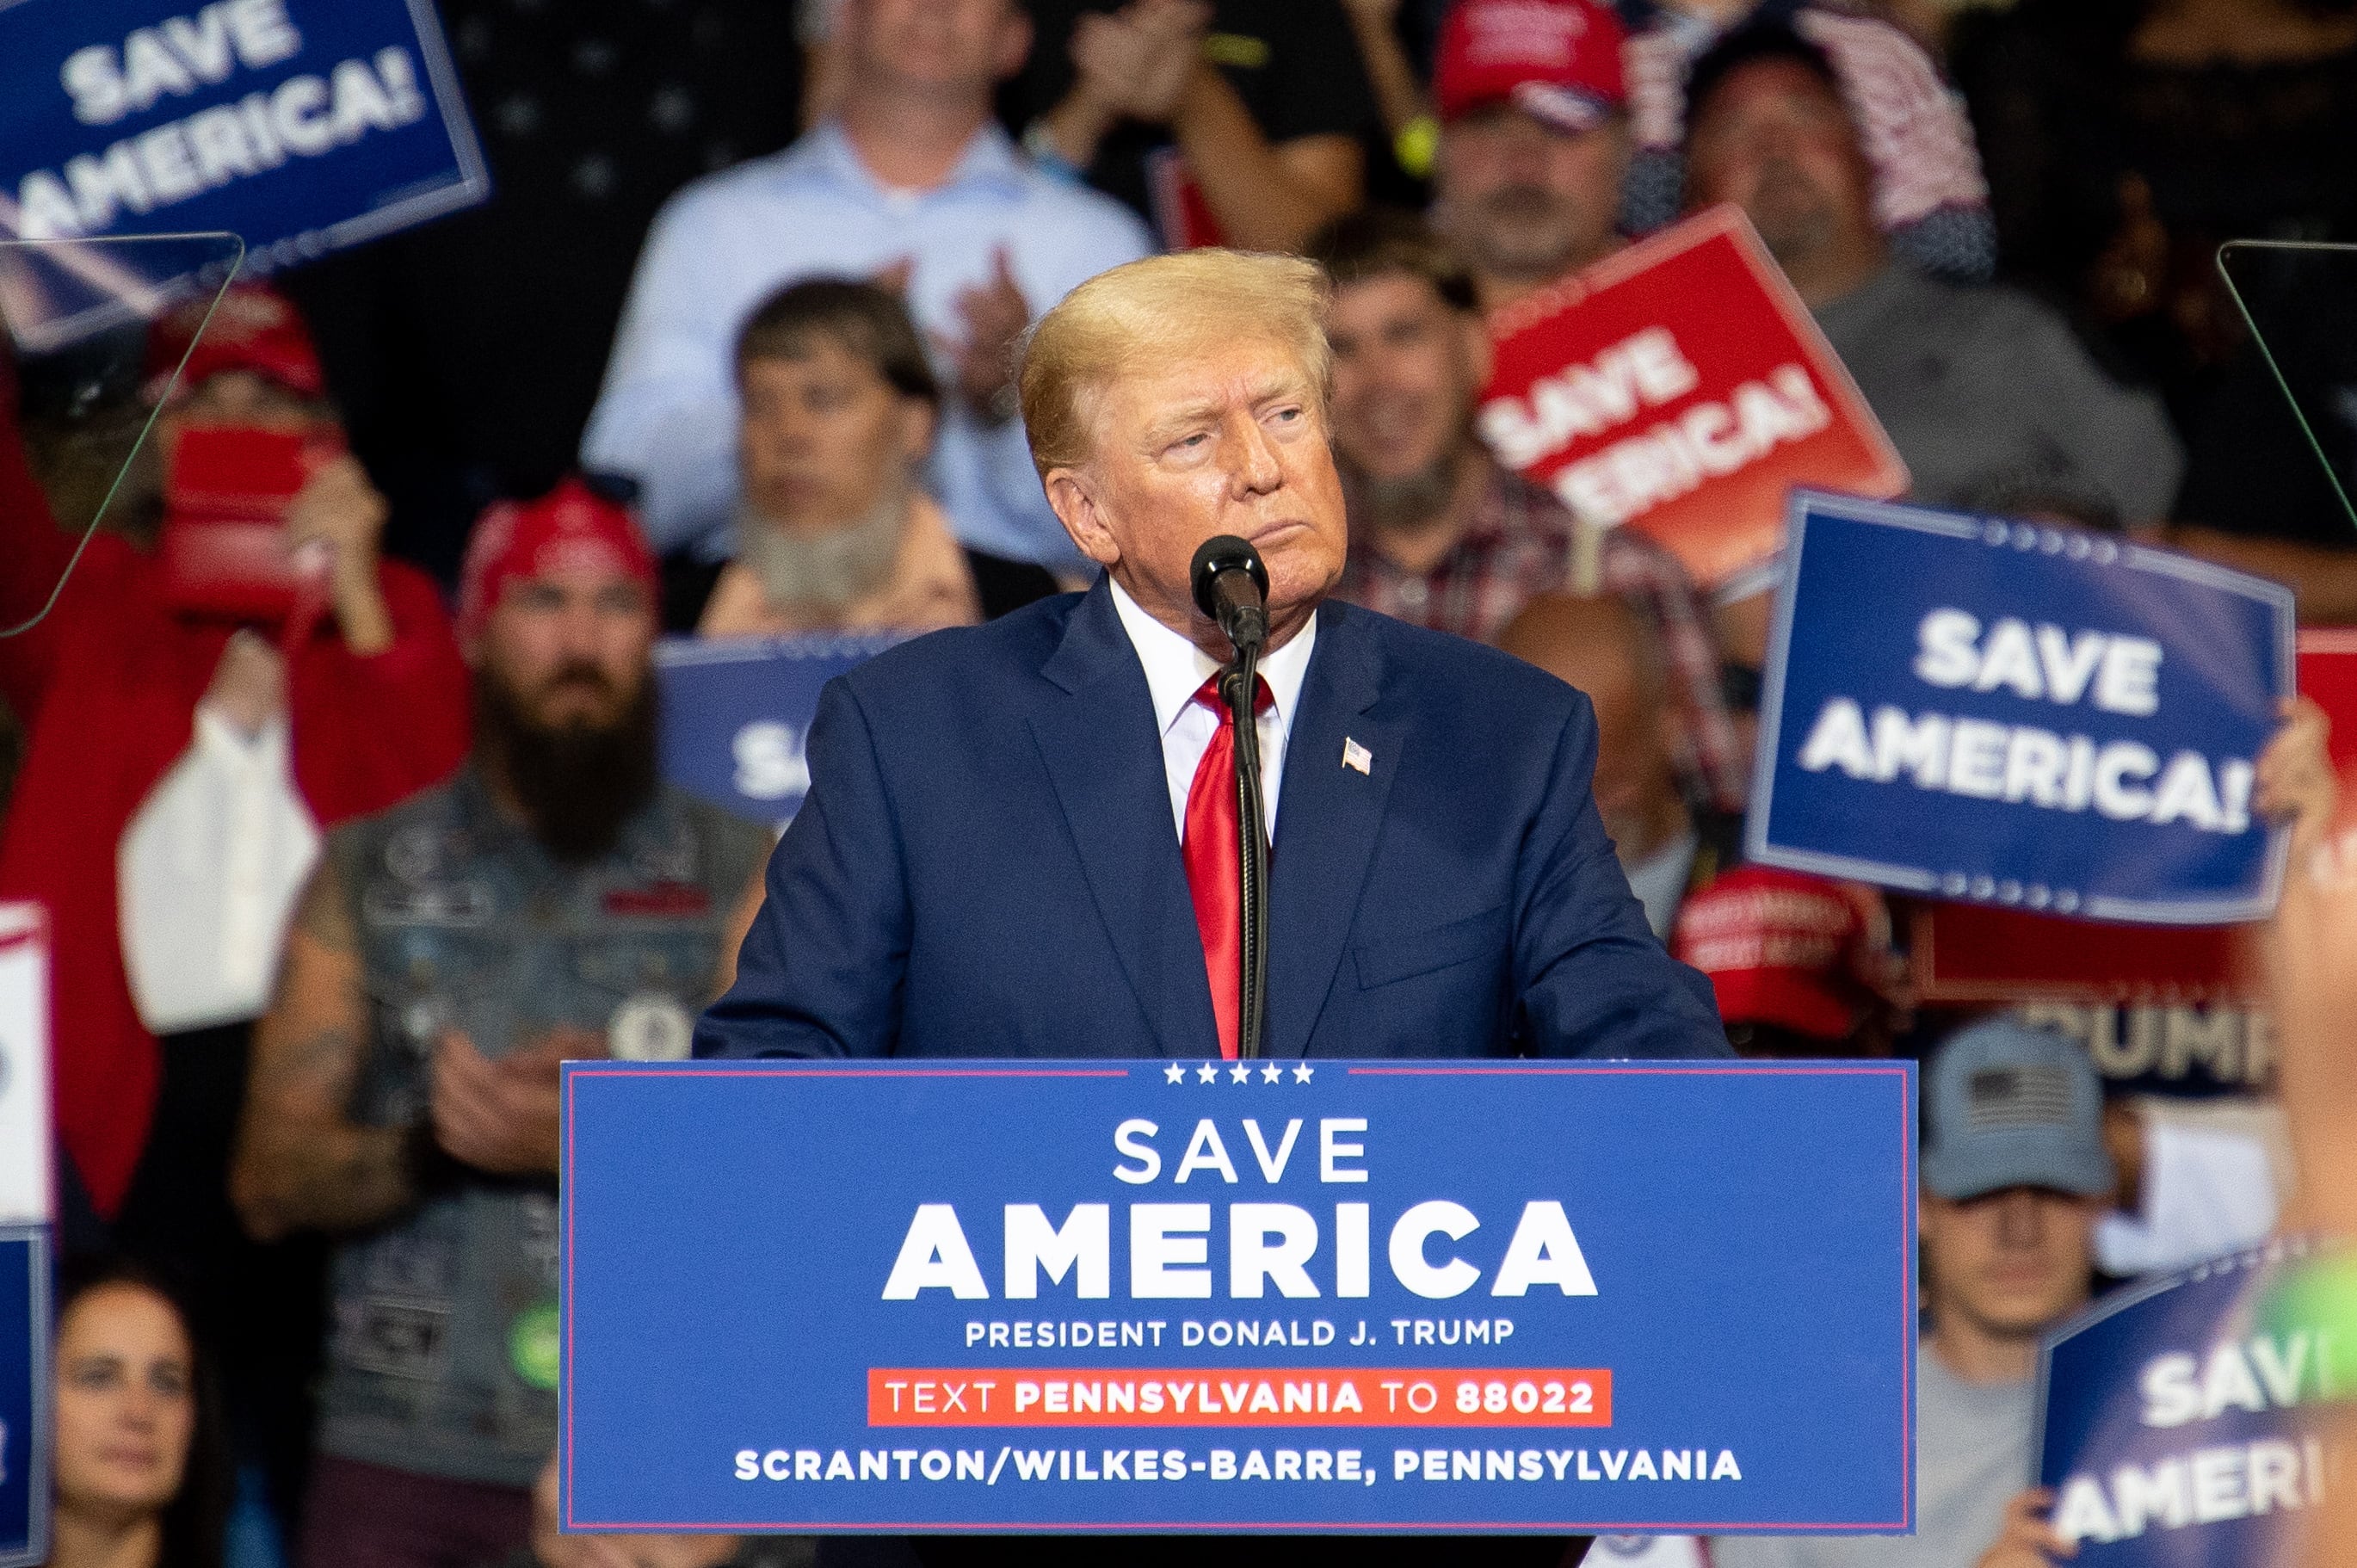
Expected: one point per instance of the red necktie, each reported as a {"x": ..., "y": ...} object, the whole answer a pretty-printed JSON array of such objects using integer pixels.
[{"x": 1213, "y": 846}]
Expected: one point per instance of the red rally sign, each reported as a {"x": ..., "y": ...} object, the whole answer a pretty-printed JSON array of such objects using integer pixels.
[
  {"x": 1680, "y": 387},
  {"x": 1969, "y": 952}
]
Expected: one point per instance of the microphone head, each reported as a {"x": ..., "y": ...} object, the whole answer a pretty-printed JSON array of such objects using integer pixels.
[{"x": 1223, "y": 553}]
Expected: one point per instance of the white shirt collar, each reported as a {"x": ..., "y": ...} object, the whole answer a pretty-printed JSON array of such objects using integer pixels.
[
  {"x": 990, "y": 158},
  {"x": 1176, "y": 669}
]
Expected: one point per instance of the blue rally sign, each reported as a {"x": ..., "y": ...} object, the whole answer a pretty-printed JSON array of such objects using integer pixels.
[
  {"x": 1972, "y": 708},
  {"x": 2175, "y": 1422},
  {"x": 301, "y": 125},
  {"x": 1205, "y": 1296},
  {"x": 736, "y": 713}
]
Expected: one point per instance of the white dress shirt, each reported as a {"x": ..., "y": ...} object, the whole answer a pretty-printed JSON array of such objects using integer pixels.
[
  {"x": 1176, "y": 670},
  {"x": 668, "y": 411}
]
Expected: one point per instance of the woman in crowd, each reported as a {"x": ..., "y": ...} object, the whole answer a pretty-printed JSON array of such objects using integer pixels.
[{"x": 141, "y": 1473}]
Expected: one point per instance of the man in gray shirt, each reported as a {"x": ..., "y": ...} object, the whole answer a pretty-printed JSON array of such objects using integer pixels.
[
  {"x": 1990, "y": 399},
  {"x": 2015, "y": 1177}
]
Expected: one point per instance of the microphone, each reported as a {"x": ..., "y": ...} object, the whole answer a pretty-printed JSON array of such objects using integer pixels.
[{"x": 1232, "y": 587}]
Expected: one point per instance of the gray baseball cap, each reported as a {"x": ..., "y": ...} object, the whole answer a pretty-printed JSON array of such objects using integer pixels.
[{"x": 2007, "y": 1105}]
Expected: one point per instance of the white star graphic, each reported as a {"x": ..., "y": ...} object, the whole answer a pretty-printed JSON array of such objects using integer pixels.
[
  {"x": 1301, "y": 1073},
  {"x": 1240, "y": 1073},
  {"x": 1175, "y": 1073},
  {"x": 1272, "y": 1073},
  {"x": 1207, "y": 1073}
]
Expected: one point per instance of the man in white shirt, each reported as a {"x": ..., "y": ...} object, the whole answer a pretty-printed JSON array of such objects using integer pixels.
[{"x": 911, "y": 182}]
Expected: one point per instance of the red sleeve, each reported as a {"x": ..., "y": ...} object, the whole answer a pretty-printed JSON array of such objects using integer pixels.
[
  {"x": 372, "y": 732},
  {"x": 33, "y": 551}
]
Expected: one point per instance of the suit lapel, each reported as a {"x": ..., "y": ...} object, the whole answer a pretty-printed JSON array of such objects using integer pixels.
[
  {"x": 1327, "y": 823},
  {"x": 1097, "y": 740}
]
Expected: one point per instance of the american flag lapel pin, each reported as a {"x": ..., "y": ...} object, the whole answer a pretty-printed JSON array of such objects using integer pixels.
[{"x": 1358, "y": 756}]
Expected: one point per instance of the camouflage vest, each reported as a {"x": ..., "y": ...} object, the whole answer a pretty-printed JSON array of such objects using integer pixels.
[{"x": 442, "y": 1347}]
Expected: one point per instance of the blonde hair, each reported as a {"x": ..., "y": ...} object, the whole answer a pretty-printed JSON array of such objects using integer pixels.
[{"x": 1149, "y": 313}]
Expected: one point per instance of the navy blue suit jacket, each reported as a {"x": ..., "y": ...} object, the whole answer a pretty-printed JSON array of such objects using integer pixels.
[{"x": 987, "y": 865}]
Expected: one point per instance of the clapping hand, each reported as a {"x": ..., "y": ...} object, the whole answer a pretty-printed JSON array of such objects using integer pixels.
[
  {"x": 1135, "y": 62},
  {"x": 995, "y": 314}
]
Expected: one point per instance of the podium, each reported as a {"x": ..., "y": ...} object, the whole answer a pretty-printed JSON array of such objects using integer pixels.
[{"x": 1137, "y": 1295}]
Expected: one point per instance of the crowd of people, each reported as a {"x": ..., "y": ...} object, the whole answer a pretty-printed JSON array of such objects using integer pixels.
[{"x": 734, "y": 352}]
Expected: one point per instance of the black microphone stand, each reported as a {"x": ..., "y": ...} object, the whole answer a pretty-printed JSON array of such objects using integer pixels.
[
  {"x": 1239, "y": 682},
  {"x": 1231, "y": 588}
]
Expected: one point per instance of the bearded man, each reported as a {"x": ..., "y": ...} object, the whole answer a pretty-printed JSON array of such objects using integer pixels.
[
  {"x": 553, "y": 900},
  {"x": 1533, "y": 143},
  {"x": 837, "y": 413}
]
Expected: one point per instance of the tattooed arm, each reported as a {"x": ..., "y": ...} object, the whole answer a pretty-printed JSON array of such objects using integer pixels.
[{"x": 301, "y": 1162}]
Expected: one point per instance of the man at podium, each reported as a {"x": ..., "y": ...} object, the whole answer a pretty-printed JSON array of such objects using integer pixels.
[{"x": 1020, "y": 838}]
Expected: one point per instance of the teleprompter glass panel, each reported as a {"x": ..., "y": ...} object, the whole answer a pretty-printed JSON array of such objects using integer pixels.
[{"x": 96, "y": 333}]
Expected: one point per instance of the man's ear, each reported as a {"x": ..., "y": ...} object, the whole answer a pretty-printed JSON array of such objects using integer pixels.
[
  {"x": 1073, "y": 496},
  {"x": 919, "y": 419},
  {"x": 1479, "y": 354}
]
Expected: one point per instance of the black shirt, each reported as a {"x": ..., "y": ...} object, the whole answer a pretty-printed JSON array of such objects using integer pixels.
[
  {"x": 2087, "y": 146},
  {"x": 1295, "y": 63}
]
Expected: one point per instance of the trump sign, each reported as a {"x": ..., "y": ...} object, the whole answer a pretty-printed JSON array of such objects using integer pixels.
[
  {"x": 2180, "y": 1420},
  {"x": 2025, "y": 716},
  {"x": 736, "y": 713},
  {"x": 1285, "y": 1295},
  {"x": 301, "y": 125},
  {"x": 1680, "y": 388}
]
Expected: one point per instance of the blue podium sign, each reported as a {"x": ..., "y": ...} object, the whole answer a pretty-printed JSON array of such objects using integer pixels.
[
  {"x": 302, "y": 126},
  {"x": 2039, "y": 718},
  {"x": 737, "y": 713},
  {"x": 2175, "y": 1422},
  {"x": 1203, "y": 1297}
]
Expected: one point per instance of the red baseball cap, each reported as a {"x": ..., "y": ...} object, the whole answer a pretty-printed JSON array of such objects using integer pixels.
[
  {"x": 1795, "y": 952},
  {"x": 254, "y": 327},
  {"x": 517, "y": 540},
  {"x": 1558, "y": 61}
]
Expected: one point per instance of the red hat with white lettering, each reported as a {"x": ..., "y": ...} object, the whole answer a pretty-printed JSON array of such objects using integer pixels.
[
  {"x": 572, "y": 526},
  {"x": 1794, "y": 952},
  {"x": 1558, "y": 61},
  {"x": 254, "y": 327}
]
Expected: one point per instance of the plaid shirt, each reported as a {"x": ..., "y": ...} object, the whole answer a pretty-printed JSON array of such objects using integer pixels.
[{"x": 1518, "y": 547}]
